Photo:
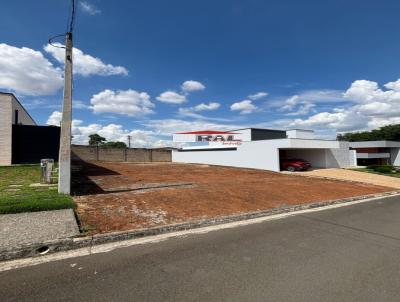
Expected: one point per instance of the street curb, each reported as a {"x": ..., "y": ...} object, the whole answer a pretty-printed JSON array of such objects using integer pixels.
[{"x": 54, "y": 246}]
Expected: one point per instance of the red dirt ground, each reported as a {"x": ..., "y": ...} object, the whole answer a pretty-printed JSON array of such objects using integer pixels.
[{"x": 216, "y": 191}]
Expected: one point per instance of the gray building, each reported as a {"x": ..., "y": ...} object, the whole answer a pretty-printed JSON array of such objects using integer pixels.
[
  {"x": 377, "y": 152},
  {"x": 11, "y": 113}
]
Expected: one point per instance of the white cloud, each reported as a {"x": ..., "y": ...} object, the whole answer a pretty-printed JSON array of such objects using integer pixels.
[
  {"x": 112, "y": 132},
  {"x": 258, "y": 95},
  {"x": 54, "y": 119},
  {"x": 28, "y": 72},
  {"x": 245, "y": 107},
  {"x": 297, "y": 106},
  {"x": 124, "y": 102},
  {"x": 368, "y": 107},
  {"x": 303, "y": 109},
  {"x": 393, "y": 85},
  {"x": 76, "y": 104},
  {"x": 191, "y": 111},
  {"x": 171, "y": 97},
  {"x": 190, "y": 85},
  {"x": 85, "y": 64},
  {"x": 290, "y": 103},
  {"x": 89, "y": 8},
  {"x": 207, "y": 107}
]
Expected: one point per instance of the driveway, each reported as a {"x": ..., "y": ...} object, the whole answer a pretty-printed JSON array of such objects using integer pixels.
[
  {"x": 344, "y": 254},
  {"x": 127, "y": 196},
  {"x": 349, "y": 175}
]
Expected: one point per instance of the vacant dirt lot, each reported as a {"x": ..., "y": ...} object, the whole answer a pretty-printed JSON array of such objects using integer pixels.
[{"x": 123, "y": 196}]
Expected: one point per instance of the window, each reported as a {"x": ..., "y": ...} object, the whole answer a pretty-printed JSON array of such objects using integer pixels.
[{"x": 16, "y": 121}]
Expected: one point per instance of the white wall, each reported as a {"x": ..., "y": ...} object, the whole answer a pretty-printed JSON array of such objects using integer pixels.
[
  {"x": 255, "y": 155},
  {"x": 340, "y": 157},
  {"x": 5, "y": 129},
  {"x": 395, "y": 156},
  {"x": 298, "y": 133},
  {"x": 265, "y": 154}
]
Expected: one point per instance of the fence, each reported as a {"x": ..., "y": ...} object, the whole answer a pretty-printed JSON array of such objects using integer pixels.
[{"x": 93, "y": 153}]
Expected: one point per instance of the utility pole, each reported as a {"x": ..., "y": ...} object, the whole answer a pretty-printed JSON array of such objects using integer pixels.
[
  {"x": 129, "y": 141},
  {"x": 64, "y": 159}
]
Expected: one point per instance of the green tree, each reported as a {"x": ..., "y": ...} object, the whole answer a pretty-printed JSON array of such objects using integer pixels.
[
  {"x": 390, "y": 133},
  {"x": 114, "y": 145},
  {"x": 95, "y": 140}
]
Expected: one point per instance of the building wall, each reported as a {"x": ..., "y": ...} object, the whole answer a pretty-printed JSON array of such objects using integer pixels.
[
  {"x": 342, "y": 157},
  {"x": 265, "y": 154},
  {"x": 257, "y": 154},
  {"x": 23, "y": 117},
  {"x": 5, "y": 129},
  {"x": 261, "y": 134},
  {"x": 395, "y": 156},
  {"x": 298, "y": 133}
]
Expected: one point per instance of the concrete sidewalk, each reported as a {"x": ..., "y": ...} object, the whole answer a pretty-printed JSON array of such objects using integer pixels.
[
  {"x": 343, "y": 254},
  {"x": 17, "y": 230}
]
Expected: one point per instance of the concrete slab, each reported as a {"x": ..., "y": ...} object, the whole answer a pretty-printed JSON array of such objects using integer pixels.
[{"x": 17, "y": 230}]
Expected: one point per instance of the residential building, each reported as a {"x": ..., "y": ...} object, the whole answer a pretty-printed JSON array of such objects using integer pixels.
[
  {"x": 21, "y": 139},
  {"x": 261, "y": 148}
]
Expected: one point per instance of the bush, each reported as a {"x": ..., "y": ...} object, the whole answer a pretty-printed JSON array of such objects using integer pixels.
[
  {"x": 379, "y": 167},
  {"x": 384, "y": 169}
]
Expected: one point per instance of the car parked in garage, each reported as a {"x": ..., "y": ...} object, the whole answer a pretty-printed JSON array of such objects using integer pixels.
[{"x": 295, "y": 164}]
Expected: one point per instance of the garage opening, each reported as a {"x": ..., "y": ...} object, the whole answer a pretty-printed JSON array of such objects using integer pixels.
[{"x": 301, "y": 159}]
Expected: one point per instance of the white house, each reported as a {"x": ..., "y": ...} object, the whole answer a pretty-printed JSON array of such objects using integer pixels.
[
  {"x": 11, "y": 113},
  {"x": 261, "y": 148}
]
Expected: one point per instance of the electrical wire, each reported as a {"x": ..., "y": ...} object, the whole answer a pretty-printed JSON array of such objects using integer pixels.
[
  {"x": 57, "y": 36},
  {"x": 73, "y": 12},
  {"x": 70, "y": 24}
]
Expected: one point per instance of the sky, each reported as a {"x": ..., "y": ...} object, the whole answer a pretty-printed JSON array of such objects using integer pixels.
[{"x": 151, "y": 68}]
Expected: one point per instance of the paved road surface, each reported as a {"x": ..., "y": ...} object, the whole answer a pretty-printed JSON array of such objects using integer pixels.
[{"x": 344, "y": 254}]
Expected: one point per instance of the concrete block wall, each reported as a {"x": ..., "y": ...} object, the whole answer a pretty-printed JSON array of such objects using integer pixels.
[
  {"x": 108, "y": 154},
  {"x": 84, "y": 153},
  {"x": 138, "y": 155},
  {"x": 161, "y": 155},
  {"x": 89, "y": 153}
]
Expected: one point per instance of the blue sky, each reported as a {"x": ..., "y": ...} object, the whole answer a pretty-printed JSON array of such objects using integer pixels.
[{"x": 331, "y": 66}]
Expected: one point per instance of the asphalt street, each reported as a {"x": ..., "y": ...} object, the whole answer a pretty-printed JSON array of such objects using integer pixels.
[{"x": 350, "y": 253}]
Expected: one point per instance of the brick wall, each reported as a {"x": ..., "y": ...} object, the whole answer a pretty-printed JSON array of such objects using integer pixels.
[{"x": 89, "y": 153}]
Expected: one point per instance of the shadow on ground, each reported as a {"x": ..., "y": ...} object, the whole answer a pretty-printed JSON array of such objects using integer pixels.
[{"x": 82, "y": 184}]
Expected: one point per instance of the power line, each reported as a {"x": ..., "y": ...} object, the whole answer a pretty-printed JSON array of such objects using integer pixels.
[
  {"x": 73, "y": 12},
  {"x": 57, "y": 36},
  {"x": 70, "y": 22}
]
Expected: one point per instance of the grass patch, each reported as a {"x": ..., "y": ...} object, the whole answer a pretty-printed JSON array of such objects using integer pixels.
[
  {"x": 16, "y": 196},
  {"x": 391, "y": 174}
]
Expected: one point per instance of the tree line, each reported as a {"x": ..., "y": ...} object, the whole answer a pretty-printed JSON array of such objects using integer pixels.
[
  {"x": 97, "y": 140},
  {"x": 390, "y": 132}
]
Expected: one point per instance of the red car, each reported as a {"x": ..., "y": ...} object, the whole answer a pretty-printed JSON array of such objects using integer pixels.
[{"x": 295, "y": 164}]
